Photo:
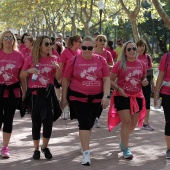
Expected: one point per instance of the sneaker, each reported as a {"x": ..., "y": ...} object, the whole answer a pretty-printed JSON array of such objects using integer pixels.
[
  {"x": 36, "y": 154},
  {"x": 168, "y": 154},
  {"x": 147, "y": 126},
  {"x": 121, "y": 146},
  {"x": 97, "y": 123},
  {"x": 47, "y": 153},
  {"x": 86, "y": 158},
  {"x": 80, "y": 148},
  {"x": 5, "y": 152},
  {"x": 127, "y": 154}
]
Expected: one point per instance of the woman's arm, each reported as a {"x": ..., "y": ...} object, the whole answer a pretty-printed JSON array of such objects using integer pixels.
[
  {"x": 58, "y": 72},
  {"x": 158, "y": 86},
  {"x": 113, "y": 78},
  {"x": 65, "y": 84}
]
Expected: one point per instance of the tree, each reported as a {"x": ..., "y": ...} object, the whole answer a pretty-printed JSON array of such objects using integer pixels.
[{"x": 162, "y": 13}]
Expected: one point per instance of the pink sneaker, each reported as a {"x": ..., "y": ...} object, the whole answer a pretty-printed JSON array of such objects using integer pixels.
[{"x": 5, "y": 152}]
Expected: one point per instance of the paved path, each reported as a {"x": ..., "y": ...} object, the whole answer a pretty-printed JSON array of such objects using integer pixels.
[{"x": 148, "y": 147}]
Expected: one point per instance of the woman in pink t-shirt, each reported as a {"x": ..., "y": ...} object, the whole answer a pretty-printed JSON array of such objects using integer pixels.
[
  {"x": 73, "y": 49},
  {"x": 127, "y": 103},
  {"x": 41, "y": 68},
  {"x": 86, "y": 79},
  {"x": 29, "y": 42},
  {"x": 163, "y": 90},
  {"x": 147, "y": 60},
  {"x": 111, "y": 50},
  {"x": 11, "y": 62},
  {"x": 99, "y": 49}
]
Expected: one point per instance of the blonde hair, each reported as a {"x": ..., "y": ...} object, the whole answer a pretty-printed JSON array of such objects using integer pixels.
[
  {"x": 123, "y": 57},
  {"x": 37, "y": 48},
  {"x": 100, "y": 37},
  {"x": 72, "y": 39},
  {"x": 15, "y": 44}
]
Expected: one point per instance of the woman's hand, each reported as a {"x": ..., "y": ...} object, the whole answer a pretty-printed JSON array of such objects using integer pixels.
[
  {"x": 55, "y": 64},
  {"x": 105, "y": 102},
  {"x": 156, "y": 97},
  {"x": 32, "y": 71},
  {"x": 122, "y": 92},
  {"x": 145, "y": 82},
  {"x": 63, "y": 103}
]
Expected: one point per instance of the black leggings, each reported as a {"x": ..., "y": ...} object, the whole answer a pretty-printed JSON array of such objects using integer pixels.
[
  {"x": 166, "y": 107},
  {"x": 7, "y": 112},
  {"x": 36, "y": 123}
]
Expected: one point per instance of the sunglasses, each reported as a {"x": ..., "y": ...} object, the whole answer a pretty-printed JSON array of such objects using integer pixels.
[
  {"x": 119, "y": 41},
  {"x": 79, "y": 41},
  {"x": 85, "y": 48},
  {"x": 8, "y": 38},
  {"x": 129, "y": 49},
  {"x": 102, "y": 40},
  {"x": 47, "y": 44}
]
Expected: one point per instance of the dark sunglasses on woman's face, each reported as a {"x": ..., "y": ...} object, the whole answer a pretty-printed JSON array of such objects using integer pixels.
[
  {"x": 129, "y": 49},
  {"x": 102, "y": 40},
  {"x": 85, "y": 48},
  {"x": 47, "y": 44},
  {"x": 8, "y": 38}
]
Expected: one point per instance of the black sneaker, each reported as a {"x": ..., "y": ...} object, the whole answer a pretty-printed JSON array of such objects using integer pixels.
[
  {"x": 36, "y": 154},
  {"x": 47, "y": 153}
]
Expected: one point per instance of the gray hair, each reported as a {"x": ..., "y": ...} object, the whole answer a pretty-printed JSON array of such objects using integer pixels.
[
  {"x": 123, "y": 57},
  {"x": 88, "y": 38}
]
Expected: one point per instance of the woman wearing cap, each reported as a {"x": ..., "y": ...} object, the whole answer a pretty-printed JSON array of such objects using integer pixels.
[{"x": 86, "y": 80}]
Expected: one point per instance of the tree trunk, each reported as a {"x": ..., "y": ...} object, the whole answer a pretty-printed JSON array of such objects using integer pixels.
[
  {"x": 162, "y": 13},
  {"x": 86, "y": 28}
]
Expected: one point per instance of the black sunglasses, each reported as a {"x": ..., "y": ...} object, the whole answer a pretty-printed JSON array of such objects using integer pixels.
[
  {"x": 102, "y": 40},
  {"x": 85, "y": 48},
  {"x": 129, "y": 49},
  {"x": 47, "y": 44}
]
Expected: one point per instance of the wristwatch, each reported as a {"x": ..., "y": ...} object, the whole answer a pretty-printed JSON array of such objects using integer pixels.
[{"x": 106, "y": 96}]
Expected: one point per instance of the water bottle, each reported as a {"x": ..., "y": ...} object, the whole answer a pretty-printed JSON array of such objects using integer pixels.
[
  {"x": 34, "y": 76},
  {"x": 159, "y": 102}
]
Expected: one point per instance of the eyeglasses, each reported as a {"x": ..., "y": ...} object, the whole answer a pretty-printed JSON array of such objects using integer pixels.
[
  {"x": 129, "y": 49},
  {"x": 85, "y": 48},
  {"x": 47, "y": 44},
  {"x": 118, "y": 40},
  {"x": 102, "y": 40},
  {"x": 8, "y": 38}
]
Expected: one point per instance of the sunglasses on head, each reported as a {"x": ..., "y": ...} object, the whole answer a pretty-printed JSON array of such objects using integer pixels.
[
  {"x": 8, "y": 38},
  {"x": 129, "y": 49},
  {"x": 102, "y": 40},
  {"x": 47, "y": 44},
  {"x": 85, "y": 48}
]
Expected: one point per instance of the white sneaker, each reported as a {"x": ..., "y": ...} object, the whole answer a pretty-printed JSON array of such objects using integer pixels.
[
  {"x": 86, "y": 158},
  {"x": 97, "y": 123},
  {"x": 80, "y": 148}
]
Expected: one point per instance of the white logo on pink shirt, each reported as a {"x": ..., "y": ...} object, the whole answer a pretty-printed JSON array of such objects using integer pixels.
[
  {"x": 44, "y": 79},
  {"x": 131, "y": 77},
  {"x": 5, "y": 71}
]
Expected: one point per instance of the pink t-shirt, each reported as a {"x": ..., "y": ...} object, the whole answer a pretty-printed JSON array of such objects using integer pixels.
[
  {"x": 66, "y": 54},
  {"x": 131, "y": 79},
  {"x": 86, "y": 75},
  {"x": 21, "y": 46},
  {"x": 26, "y": 52},
  {"x": 145, "y": 60},
  {"x": 113, "y": 52},
  {"x": 107, "y": 55},
  {"x": 164, "y": 66},
  {"x": 46, "y": 71},
  {"x": 10, "y": 67},
  {"x": 54, "y": 52}
]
